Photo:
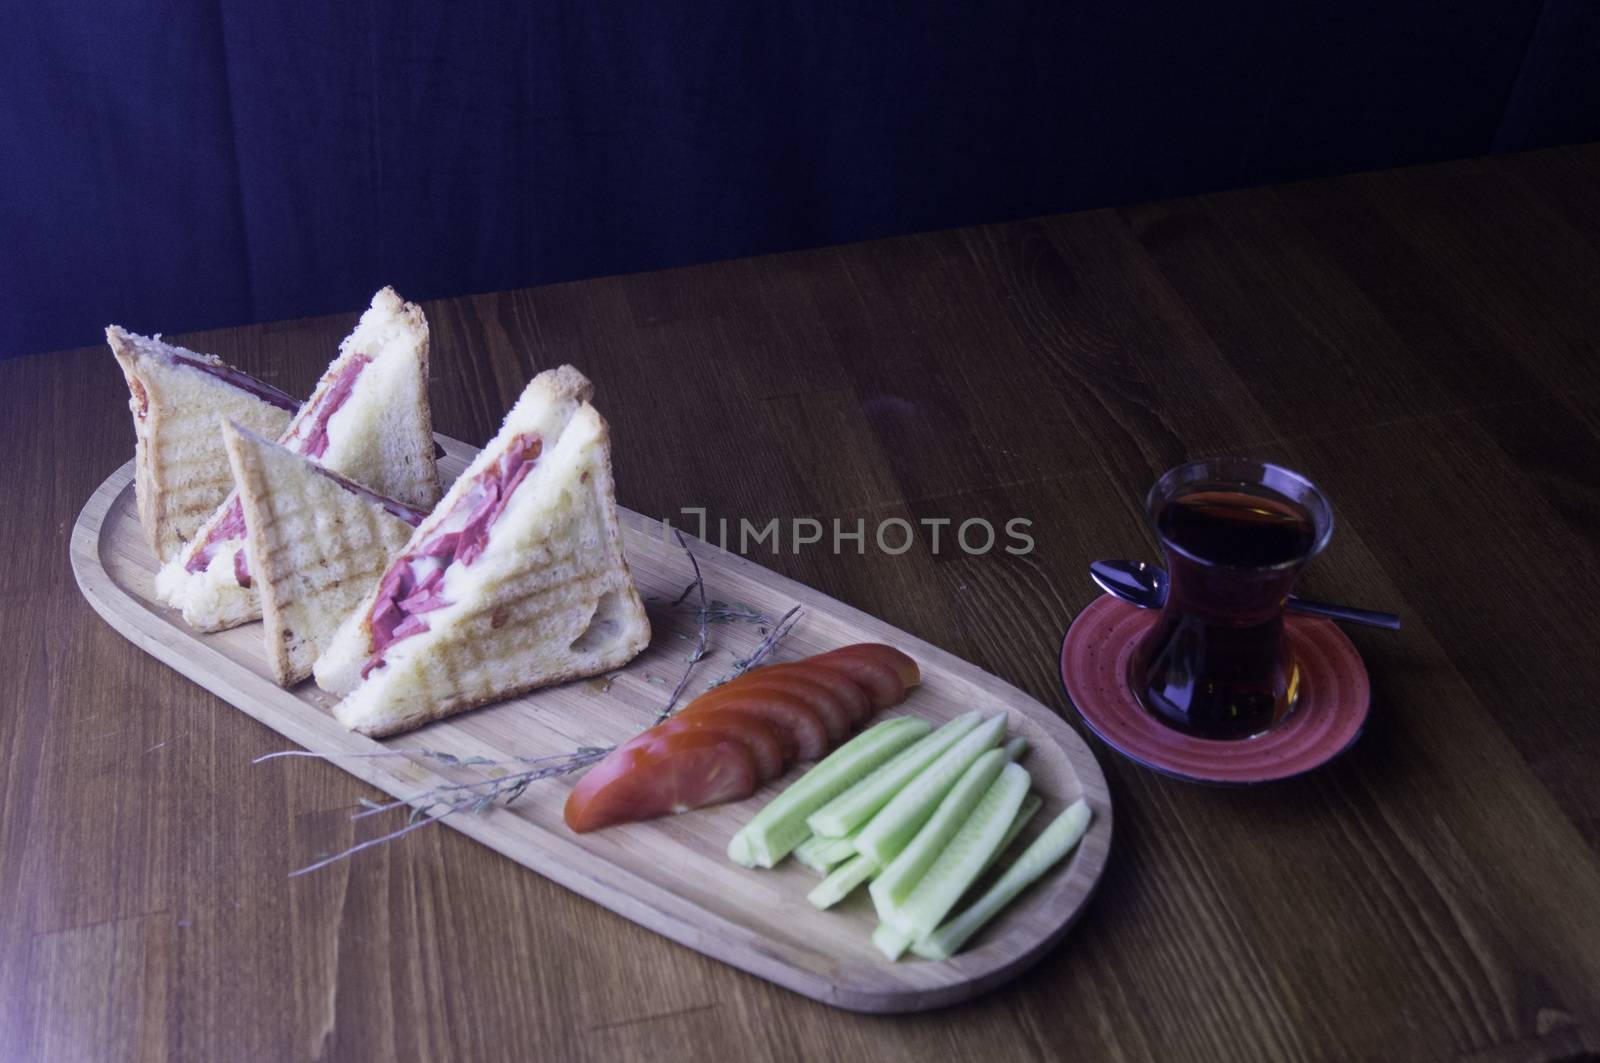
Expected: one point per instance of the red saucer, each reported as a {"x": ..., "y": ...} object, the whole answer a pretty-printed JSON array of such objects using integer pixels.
[{"x": 1334, "y": 697}]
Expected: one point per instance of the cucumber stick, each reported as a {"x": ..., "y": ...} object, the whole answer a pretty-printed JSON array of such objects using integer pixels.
[
  {"x": 964, "y": 859},
  {"x": 1030, "y": 808},
  {"x": 841, "y": 882},
  {"x": 902, "y": 873},
  {"x": 892, "y": 829},
  {"x": 805, "y": 854},
  {"x": 774, "y": 831},
  {"x": 893, "y": 943},
  {"x": 1017, "y": 748},
  {"x": 822, "y": 855},
  {"x": 854, "y": 806},
  {"x": 1056, "y": 841}
]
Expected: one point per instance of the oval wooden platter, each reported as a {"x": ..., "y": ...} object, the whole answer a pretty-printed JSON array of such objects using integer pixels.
[{"x": 669, "y": 875}]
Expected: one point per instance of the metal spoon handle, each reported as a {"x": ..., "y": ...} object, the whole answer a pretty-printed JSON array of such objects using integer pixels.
[{"x": 1345, "y": 612}]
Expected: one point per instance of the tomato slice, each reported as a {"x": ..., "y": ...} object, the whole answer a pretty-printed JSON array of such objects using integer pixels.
[
  {"x": 784, "y": 711},
  {"x": 904, "y": 666},
  {"x": 738, "y": 735},
  {"x": 770, "y": 746},
  {"x": 855, "y": 701},
  {"x": 883, "y": 672},
  {"x": 661, "y": 773},
  {"x": 835, "y": 718}
]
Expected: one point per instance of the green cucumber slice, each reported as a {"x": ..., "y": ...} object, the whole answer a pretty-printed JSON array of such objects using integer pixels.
[
  {"x": 781, "y": 825},
  {"x": 823, "y": 854},
  {"x": 1030, "y": 808},
  {"x": 842, "y": 882},
  {"x": 1017, "y": 748},
  {"x": 892, "y": 829},
  {"x": 891, "y": 942},
  {"x": 1047, "y": 850},
  {"x": 853, "y": 807},
  {"x": 964, "y": 859},
  {"x": 901, "y": 875},
  {"x": 805, "y": 855}
]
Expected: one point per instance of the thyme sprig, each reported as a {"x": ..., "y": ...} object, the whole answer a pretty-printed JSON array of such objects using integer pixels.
[
  {"x": 449, "y": 759},
  {"x": 784, "y": 625},
  {"x": 697, "y": 585},
  {"x": 721, "y": 612},
  {"x": 434, "y": 804}
]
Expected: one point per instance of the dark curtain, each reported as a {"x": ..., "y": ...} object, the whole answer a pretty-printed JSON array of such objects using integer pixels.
[{"x": 182, "y": 165}]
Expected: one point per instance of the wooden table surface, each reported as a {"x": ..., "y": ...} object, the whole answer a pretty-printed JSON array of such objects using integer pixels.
[{"x": 1423, "y": 343}]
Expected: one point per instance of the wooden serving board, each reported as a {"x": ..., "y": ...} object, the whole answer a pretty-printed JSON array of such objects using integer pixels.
[{"x": 670, "y": 875}]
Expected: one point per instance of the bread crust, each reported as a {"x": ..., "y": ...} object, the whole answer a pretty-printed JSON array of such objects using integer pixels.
[
  {"x": 250, "y": 481},
  {"x": 167, "y": 526},
  {"x": 420, "y": 410},
  {"x": 467, "y": 704}
]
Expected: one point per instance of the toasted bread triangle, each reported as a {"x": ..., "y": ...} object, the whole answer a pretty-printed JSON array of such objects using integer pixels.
[
  {"x": 549, "y": 598},
  {"x": 177, "y": 398},
  {"x": 317, "y": 543},
  {"x": 368, "y": 420}
]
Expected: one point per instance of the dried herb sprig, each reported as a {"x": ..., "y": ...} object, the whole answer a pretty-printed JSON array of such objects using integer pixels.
[
  {"x": 505, "y": 788},
  {"x": 784, "y": 625},
  {"x": 368, "y": 844},
  {"x": 449, "y": 759},
  {"x": 434, "y": 804},
  {"x": 699, "y": 585},
  {"x": 721, "y": 612}
]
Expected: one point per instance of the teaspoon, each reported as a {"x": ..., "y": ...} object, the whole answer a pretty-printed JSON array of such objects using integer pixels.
[{"x": 1145, "y": 585}]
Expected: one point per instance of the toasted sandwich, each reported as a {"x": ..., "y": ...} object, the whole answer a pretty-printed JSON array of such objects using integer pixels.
[
  {"x": 317, "y": 543},
  {"x": 516, "y": 580},
  {"x": 177, "y": 397},
  {"x": 368, "y": 420}
]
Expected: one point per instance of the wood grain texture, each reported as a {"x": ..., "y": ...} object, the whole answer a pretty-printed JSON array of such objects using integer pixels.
[
  {"x": 1423, "y": 343},
  {"x": 670, "y": 875}
]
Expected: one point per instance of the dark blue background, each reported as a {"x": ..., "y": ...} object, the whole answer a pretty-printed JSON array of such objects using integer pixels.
[{"x": 184, "y": 165}]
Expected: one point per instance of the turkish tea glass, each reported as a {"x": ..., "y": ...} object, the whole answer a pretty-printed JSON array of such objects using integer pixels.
[{"x": 1236, "y": 534}]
